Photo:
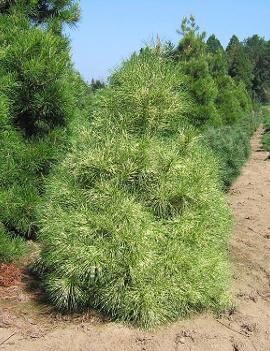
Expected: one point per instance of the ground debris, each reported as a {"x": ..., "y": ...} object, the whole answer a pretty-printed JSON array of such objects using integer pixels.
[{"x": 10, "y": 275}]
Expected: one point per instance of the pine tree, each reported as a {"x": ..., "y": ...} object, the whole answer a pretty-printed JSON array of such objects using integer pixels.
[
  {"x": 136, "y": 199},
  {"x": 54, "y": 13},
  {"x": 194, "y": 58},
  {"x": 214, "y": 45},
  {"x": 217, "y": 59},
  {"x": 42, "y": 93},
  {"x": 240, "y": 67},
  {"x": 258, "y": 51},
  {"x": 228, "y": 105},
  {"x": 96, "y": 84}
]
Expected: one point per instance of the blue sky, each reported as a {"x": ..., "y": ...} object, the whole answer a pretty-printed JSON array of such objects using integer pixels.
[{"x": 110, "y": 30}]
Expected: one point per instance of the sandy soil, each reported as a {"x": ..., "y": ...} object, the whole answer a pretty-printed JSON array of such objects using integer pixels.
[{"x": 26, "y": 325}]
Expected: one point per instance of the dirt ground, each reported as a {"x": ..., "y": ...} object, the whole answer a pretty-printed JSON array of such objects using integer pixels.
[{"x": 26, "y": 325}]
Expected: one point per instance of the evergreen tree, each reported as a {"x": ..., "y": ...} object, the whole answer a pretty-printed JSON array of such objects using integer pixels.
[
  {"x": 217, "y": 59},
  {"x": 228, "y": 105},
  {"x": 54, "y": 13},
  {"x": 194, "y": 58},
  {"x": 258, "y": 51},
  {"x": 137, "y": 198},
  {"x": 240, "y": 67},
  {"x": 214, "y": 45},
  {"x": 169, "y": 51},
  {"x": 96, "y": 84},
  {"x": 42, "y": 91}
]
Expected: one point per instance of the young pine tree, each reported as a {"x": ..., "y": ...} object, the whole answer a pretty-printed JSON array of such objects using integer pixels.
[
  {"x": 240, "y": 67},
  {"x": 194, "y": 58},
  {"x": 227, "y": 100},
  {"x": 133, "y": 218},
  {"x": 218, "y": 60},
  {"x": 258, "y": 51}
]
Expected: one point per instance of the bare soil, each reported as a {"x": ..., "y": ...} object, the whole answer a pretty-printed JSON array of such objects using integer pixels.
[{"x": 27, "y": 325}]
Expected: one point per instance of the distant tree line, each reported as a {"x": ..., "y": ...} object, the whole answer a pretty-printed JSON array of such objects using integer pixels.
[{"x": 223, "y": 83}]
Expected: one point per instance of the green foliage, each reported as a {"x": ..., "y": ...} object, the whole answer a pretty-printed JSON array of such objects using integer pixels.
[
  {"x": 11, "y": 248},
  {"x": 258, "y": 51},
  {"x": 217, "y": 98},
  {"x": 266, "y": 122},
  {"x": 192, "y": 54},
  {"x": 231, "y": 144},
  {"x": 38, "y": 100},
  {"x": 233, "y": 101},
  {"x": 214, "y": 45},
  {"x": 240, "y": 67},
  {"x": 23, "y": 166},
  {"x": 243, "y": 98},
  {"x": 217, "y": 59},
  {"x": 133, "y": 217},
  {"x": 96, "y": 85},
  {"x": 38, "y": 63},
  {"x": 51, "y": 13},
  {"x": 203, "y": 90},
  {"x": 64, "y": 11}
]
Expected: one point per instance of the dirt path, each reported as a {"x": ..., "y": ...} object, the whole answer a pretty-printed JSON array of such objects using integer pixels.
[{"x": 246, "y": 328}]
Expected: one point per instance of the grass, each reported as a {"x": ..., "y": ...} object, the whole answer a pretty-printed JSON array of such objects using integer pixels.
[
  {"x": 12, "y": 248},
  {"x": 134, "y": 217}
]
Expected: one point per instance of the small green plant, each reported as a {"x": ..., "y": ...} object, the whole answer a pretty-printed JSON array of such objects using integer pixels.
[{"x": 266, "y": 122}]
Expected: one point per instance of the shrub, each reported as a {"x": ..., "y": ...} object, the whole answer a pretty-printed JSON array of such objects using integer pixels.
[
  {"x": 266, "y": 122},
  {"x": 133, "y": 218},
  {"x": 231, "y": 144},
  {"x": 228, "y": 104},
  {"x": 244, "y": 98}
]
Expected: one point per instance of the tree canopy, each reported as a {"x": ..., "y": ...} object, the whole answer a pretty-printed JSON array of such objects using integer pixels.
[
  {"x": 54, "y": 13},
  {"x": 240, "y": 67},
  {"x": 258, "y": 51}
]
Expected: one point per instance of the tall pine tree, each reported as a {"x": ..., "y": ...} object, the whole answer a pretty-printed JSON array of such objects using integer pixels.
[
  {"x": 228, "y": 105},
  {"x": 194, "y": 58},
  {"x": 218, "y": 59},
  {"x": 240, "y": 67},
  {"x": 258, "y": 51}
]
